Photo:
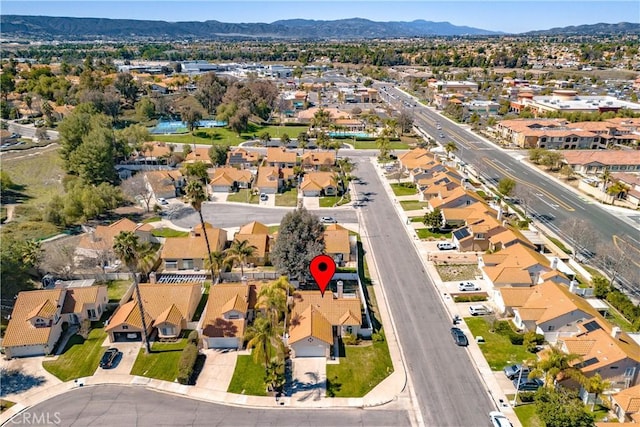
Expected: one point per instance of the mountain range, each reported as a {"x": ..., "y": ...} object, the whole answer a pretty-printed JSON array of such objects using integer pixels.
[{"x": 64, "y": 28}]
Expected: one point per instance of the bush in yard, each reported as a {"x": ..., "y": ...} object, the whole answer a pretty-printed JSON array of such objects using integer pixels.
[
  {"x": 470, "y": 298},
  {"x": 187, "y": 362},
  {"x": 526, "y": 396},
  {"x": 194, "y": 338},
  {"x": 349, "y": 339},
  {"x": 378, "y": 336}
]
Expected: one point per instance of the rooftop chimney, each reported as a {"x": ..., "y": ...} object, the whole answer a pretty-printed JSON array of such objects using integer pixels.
[
  {"x": 340, "y": 288},
  {"x": 615, "y": 332},
  {"x": 152, "y": 278},
  {"x": 554, "y": 263}
]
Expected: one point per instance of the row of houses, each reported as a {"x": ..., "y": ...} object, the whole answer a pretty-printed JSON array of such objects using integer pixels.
[{"x": 537, "y": 291}]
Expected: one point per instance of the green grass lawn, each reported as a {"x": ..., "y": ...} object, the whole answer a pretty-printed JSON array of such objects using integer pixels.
[
  {"x": 80, "y": 358},
  {"x": 419, "y": 218},
  {"x": 162, "y": 362},
  {"x": 243, "y": 196},
  {"x": 527, "y": 416},
  {"x": 168, "y": 232},
  {"x": 404, "y": 189},
  {"x": 425, "y": 233},
  {"x": 117, "y": 288},
  {"x": 331, "y": 201},
  {"x": 273, "y": 228},
  {"x": 616, "y": 318},
  {"x": 412, "y": 205},
  {"x": 371, "y": 145},
  {"x": 152, "y": 219},
  {"x": 248, "y": 377},
  {"x": 362, "y": 368},
  {"x": 288, "y": 198},
  {"x": 498, "y": 350},
  {"x": 559, "y": 244},
  {"x": 5, "y": 404}
]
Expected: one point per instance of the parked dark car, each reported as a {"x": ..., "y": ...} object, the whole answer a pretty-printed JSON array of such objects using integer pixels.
[
  {"x": 513, "y": 372},
  {"x": 109, "y": 357},
  {"x": 459, "y": 337},
  {"x": 526, "y": 384}
]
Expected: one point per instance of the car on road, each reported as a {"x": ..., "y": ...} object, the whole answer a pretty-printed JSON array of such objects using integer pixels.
[
  {"x": 498, "y": 419},
  {"x": 512, "y": 372},
  {"x": 527, "y": 384},
  {"x": 468, "y": 286},
  {"x": 15, "y": 135},
  {"x": 109, "y": 357},
  {"x": 163, "y": 201},
  {"x": 328, "y": 220},
  {"x": 441, "y": 135},
  {"x": 445, "y": 246},
  {"x": 479, "y": 310},
  {"x": 264, "y": 197},
  {"x": 459, "y": 337}
]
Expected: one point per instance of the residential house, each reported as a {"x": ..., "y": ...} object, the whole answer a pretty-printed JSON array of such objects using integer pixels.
[
  {"x": 321, "y": 160},
  {"x": 153, "y": 152},
  {"x": 98, "y": 243},
  {"x": 476, "y": 233},
  {"x": 337, "y": 243},
  {"x": 456, "y": 217},
  {"x": 84, "y": 303},
  {"x": 199, "y": 154},
  {"x": 454, "y": 198},
  {"x": 416, "y": 158},
  {"x": 306, "y": 116},
  {"x": 516, "y": 265},
  {"x": 594, "y": 162},
  {"x": 605, "y": 350},
  {"x": 270, "y": 179},
  {"x": 311, "y": 315},
  {"x": 36, "y": 323},
  {"x": 229, "y": 179},
  {"x": 626, "y": 405},
  {"x": 167, "y": 310},
  {"x": 257, "y": 235},
  {"x": 243, "y": 159},
  {"x": 632, "y": 183},
  {"x": 280, "y": 157},
  {"x": 189, "y": 253},
  {"x": 317, "y": 184},
  {"x": 164, "y": 183},
  {"x": 509, "y": 298},
  {"x": 553, "y": 311},
  {"x": 229, "y": 309}
]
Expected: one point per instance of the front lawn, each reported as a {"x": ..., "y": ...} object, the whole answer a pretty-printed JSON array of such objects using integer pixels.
[
  {"x": 413, "y": 205},
  {"x": 362, "y": 368},
  {"x": 80, "y": 358},
  {"x": 451, "y": 273},
  {"x": 162, "y": 362},
  {"x": 152, "y": 219},
  {"x": 243, "y": 196},
  {"x": 498, "y": 350},
  {"x": 288, "y": 198},
  {"x": 225, "y": 136},
  {"x": 331, "y": 201},
  {"x": 248, "y": 377},
  {"x": 425, "y": 233},
  {"x": 404, "y": 189},
  {"x": 168, "y": 232},
  {"x": 117, "y": 288},
  {"x": 528, "y": 416},
  {"x": 371, "y": 145}
]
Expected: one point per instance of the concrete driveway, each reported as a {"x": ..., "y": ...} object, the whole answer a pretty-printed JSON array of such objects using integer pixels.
[
  {"x": 24, "y": 375},
  {"x": 311, "y": 202},
  {"x": 125, "y": 362},
  {"x": 218, "y": 369},
  {"x": 309, "y": 379}
]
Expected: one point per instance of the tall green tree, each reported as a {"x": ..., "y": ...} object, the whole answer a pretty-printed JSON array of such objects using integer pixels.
[
  {"x": 197, "y": 170},
  {"x": 273, "y": 299},
  {"x": 596, "y": 385},
  {"x": 190, "y": 116},
  {"x": 240, "y": 251},
  {"x": 130, "y": 251},
  {"x": 196, "y": 194},
  {"x": 506, "y": 186},
  {"x": 217, "y": 262},
  {"x": 218, "y": 154},
  {"x": 264, "y": 341},
  {"x": 300, "y": 239},
  {"x": 384, "y": 147},
  {"x": 450, "y": 147},
  {"x": 433, "y": 219},
  {"x": 561, "y": 409},
  {"x": 557, "y": 365}
]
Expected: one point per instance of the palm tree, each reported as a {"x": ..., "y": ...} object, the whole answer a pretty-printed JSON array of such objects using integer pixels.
[
  {"x": 128, "y": 248},
  {"x": 263, "y": 337},
  {"x": 303, "y": 140},
  {"x": 216, "y": 262},
  {"x": 555, "y": 365},
  {"x": 606, "y": 177},
  {"x": 273, "y": 299},
  {"x": 383, "y": 145},
  {"x": 595, "y": 385},
  {"x": 240, "y": 251},
  {"x": 274, "y": 373},
  {"x": 450, "y": 147},
  {"x": 196, "y": 194}
]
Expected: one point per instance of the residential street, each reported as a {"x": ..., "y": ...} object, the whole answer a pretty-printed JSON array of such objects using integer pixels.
[
  {"x": 449, "y": 390},
  {"x": 136, "y": 406}
]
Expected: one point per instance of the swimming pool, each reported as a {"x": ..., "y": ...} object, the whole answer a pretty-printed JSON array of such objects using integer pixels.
[
  {"x": 349, "y": 135},
  {"x": 175, "y": 126}
]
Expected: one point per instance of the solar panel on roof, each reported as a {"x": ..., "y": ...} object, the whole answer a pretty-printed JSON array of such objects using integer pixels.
[{"x": 592, "y": 326}]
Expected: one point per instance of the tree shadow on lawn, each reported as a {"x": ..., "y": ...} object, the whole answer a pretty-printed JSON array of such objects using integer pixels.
[{"x": 15, "y": 381}]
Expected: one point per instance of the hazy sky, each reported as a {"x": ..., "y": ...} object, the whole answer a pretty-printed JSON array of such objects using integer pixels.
[{"x": 509, "y": 16}]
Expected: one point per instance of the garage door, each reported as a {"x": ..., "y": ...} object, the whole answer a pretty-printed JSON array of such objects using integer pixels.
[
  {"x": 222, "y": 342},
  {"x": 127, "y": 336},
  {"x": 309, "y": 350},
  {"x": 24, "y": 351}
]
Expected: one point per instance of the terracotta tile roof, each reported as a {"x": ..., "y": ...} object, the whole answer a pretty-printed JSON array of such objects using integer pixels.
[
  {"x": 599, "y": 348},
  {"x": 336, "y": 241},
  {"x": 163, "y": 181},
  {"x": 318, "y": 181},
  {"x": 230, "y": 175},
  {"x": 334, "y": 227},
  {"x": 200, "y": 154},
  {"x": 157, "y": 298},
  {"x": 171, "y": 315},
  {"x": 222, "y": 298},
  {"x": 320, "y": 158},
  {"x": 334, "y": 113},
  {"x": 515, "y": 297},
  {"x": 557, "y": 301},
  {"x": 349, "y": 318},
  {"x": 102, "y": 237},
  {"x": 260, "y": 241},
  {"x": 77, "y": 297},
  {"x": 20, "y": 330},
  {"x": 193, "y": 246},
  {"x": 501, "y": 275},
  {"x": 416, "y": 158},
  {"x": 128, "y": 314},
  {"x": 45, "y": 310},
  {"x": 310, "y": 323},
  {"x": 247, "y": 156},
  {"x": 333, "y": 309},
  {"x": 530, "y": 313},
  {"x": 628, "y": 399},
  {"x": 281, "y": 155},
  {"x": 254, "y": 227},
  {"x": 473, "y": 210},
  {"x": 268, "y": 177},
  {"x": 603, "y": 157},
  {"x": 503, "y": 265},
  {"x": 155, "y": 149}
]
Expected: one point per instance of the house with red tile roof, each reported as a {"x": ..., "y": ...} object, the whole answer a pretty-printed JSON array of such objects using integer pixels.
[
  {"x": 516, "y": 265},
  {"x": 242, "y": 158},
  {"x": 164, "y": 183},
  {"x": 281, "y": 157},
  {"x": 315, "y": 184},
  {"x": 594, "y": 162},
  {"x": 98, "y": 242},
  {"x": 189, "y": 253},
  {"x": 626, "y": 405},
  {"x": 320, "y": 160},
  {"x": 229, "y": 179},
  {"x": 257, "y": 235}
]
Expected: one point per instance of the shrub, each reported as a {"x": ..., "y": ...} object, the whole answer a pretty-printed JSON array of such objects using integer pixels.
[
  {"x": 469, "y": 298},
  {"x": 378, "y": 336},
  {"x": 194, "y": 338},
  {"x": 349, "y": 339},
  {"x": 187, "y": 362},
  {"x": 526, "y": 396}
]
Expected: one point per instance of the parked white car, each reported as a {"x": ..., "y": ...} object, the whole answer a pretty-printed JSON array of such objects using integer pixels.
[
  {"x": 445, "y": 246},
  {"x": 468, "y": 286},
  {"x": 479, "y": 310},
  {"x": 498, "y": 419}
]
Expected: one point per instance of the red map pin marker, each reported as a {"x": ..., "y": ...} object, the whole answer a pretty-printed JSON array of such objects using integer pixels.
[{"x": 322, "y": 268}]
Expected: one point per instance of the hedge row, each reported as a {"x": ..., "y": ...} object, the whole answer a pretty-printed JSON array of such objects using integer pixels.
[
  {"x": 469, "y": 298},
  {"x": 503, "y": 328},
  {"x": 188, "y": 359}
]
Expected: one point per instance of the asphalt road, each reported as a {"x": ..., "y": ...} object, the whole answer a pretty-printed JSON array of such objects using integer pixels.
[
  {"x": 449, "y": 390},
  {"x": 135, "y": 406},
  {"x": 552, "y": 203}
]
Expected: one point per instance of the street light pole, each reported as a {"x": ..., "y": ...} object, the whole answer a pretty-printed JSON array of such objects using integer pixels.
[{"x": 515, "y": 398}]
